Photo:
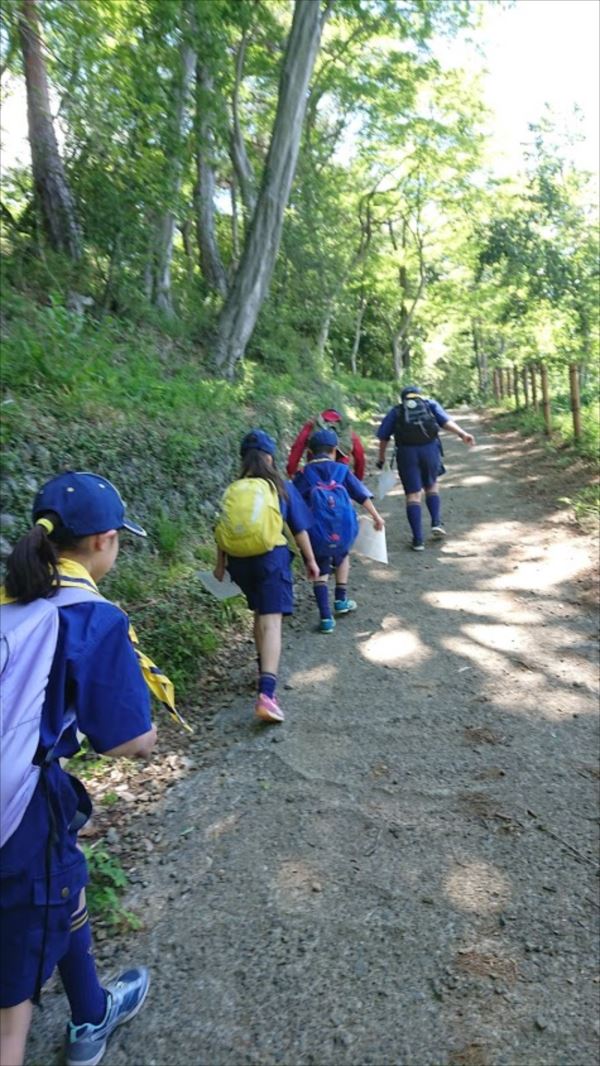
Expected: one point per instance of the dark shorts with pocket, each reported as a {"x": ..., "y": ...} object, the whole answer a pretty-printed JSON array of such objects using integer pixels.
[
  {"x": 37, "y": 899},
  {"x": 418, "y": 465},
  {"x": 265, "y": 580}
]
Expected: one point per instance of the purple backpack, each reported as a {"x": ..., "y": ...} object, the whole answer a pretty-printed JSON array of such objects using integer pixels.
[{"x": 28, "y": 637}]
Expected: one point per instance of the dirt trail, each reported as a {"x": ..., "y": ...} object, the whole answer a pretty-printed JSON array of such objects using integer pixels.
[{"x": 405, "y": 872}]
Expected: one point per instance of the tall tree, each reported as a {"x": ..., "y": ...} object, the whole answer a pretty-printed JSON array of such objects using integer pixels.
[
  {"x": 174, "y": 163},
  {"x": 251, "y": 280},
  {"x": 52, "y": 188}
]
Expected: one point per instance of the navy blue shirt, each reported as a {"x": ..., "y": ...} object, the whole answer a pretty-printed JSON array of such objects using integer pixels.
[
  {"x": 330, "y": 470},
  {"x": 294, "y": 510},
  {"x": 386, "y": 429}
]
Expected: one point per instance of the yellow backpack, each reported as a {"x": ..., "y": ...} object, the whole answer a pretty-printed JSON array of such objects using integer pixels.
[{"x": 250, "y": 521}]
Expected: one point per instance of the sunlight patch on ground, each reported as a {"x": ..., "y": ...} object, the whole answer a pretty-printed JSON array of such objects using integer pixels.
[
  {"x": 501, "y": 637},
  {"x": 477, "y": 887},
  {"x": 559, "y": 564},
  {"x": 486, "y": 659},
  {"x": 476, "y": 479},
  {"x": 394, "y": 648},
  {"x": 324, "y": 672},
  {"x": 492, "y": 604}
]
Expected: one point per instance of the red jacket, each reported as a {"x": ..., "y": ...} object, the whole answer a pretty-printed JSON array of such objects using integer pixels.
[{"x": 300, "y": 444}]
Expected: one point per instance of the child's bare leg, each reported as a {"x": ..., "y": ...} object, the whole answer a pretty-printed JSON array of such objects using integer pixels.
[
  {"x": 14, "y": 1027},
  {"x": 342, "y": 571},
  {"x": 342, "y": 604},
  {"x": 267, "y": 634}
]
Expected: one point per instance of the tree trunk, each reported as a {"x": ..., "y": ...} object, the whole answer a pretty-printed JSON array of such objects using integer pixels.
[
  {"x": 525, "y": 385},
  {"x": 546, "y": 400},
  {"x": 166, "y": 226},
  {"x": 534, "y": 398},
  {"x": 240, "y": 312},
  {"x": 501, "y": 382},
  {"x": 397, "y": 357},
  {"x": 235, "y": 229},
  {"x": 51, "y": 187},
  {"x": 495, "y": 385},
  {"x": 239, "y": 156},
  {"x": 575, "y": 400},
  {"x": 357, "y": 332},
  {"x": 324, "y": 331},
  {"x": 211, "y": 265},
  {"x": 515, "y": 375}
]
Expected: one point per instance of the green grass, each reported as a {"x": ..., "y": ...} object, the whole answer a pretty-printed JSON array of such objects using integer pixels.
[{"x": 107, "y": 884}]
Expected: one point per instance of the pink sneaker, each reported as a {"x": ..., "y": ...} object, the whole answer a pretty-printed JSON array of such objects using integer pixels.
[{"x": 268, "y": 710}]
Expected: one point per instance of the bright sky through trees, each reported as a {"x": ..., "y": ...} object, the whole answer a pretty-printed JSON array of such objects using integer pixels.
[
  {"x": 535, "y": 52},
  {"x": 539, "y": 52}
]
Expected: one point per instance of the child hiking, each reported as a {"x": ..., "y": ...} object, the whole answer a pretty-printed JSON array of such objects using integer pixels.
[
  {"x": 414, "y": 423},
  {"x": 253, "y": 548},
  {"x": 68, "y": 665},
  {"x": 328, "y": 487},
  {"x": 349, "y": 445}
]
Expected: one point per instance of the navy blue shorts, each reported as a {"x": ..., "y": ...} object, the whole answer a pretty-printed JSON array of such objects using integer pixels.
[
  {"x": 265, "y": 580},
  {"x": 328, "y": 563},
  {"x": 418, "y": 465},
  {"x": 25, "y": 901}
]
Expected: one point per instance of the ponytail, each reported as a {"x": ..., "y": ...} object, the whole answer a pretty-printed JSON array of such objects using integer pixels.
[
  {"x": 32, "y": 566},
  {"x": 254, "y": 464}
]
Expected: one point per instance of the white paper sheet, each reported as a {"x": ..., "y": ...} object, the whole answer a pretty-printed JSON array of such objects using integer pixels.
[
  {"x": 369, "y": 542},
  {"x": 222, "y": 590},
  {"x": 386, "y": 481}
]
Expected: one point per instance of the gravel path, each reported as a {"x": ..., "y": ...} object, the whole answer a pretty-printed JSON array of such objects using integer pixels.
[{"x": 405, "y": 872}]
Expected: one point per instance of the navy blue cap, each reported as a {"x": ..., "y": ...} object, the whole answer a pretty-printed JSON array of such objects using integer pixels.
[
  {"x": 257, "y": 438},
  {"x": 85, "y": 503},
  {"x": 323, "y": 438},
  {"x": 410, "y": 388}
]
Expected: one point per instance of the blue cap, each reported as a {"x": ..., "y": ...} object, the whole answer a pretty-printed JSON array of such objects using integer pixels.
[
  {"x": 410, "y": 388},
  {"x": 257, "y": 438},
  {"x": 85, "y": 503},
  {"x": 323, "y": 438}
]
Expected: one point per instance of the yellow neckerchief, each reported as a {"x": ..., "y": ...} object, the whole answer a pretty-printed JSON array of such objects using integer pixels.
[{"x": 75, "y": 576}]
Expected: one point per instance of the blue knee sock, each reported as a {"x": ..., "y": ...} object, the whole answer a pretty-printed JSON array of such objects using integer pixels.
[
  {"x": 434, "y": 507},
  {"x": 341, "y": 592},
  {"x": 322, "y": 597},
  {"x": 77, "y": 969},
  {"x": 267, "y": 683},
  {"x": 413, "y": 513}
]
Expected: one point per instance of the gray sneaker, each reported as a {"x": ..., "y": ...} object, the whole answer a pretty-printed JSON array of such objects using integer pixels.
[
  {"x": 86, "y": 1043},
  {"x": 438, "y": 531}
]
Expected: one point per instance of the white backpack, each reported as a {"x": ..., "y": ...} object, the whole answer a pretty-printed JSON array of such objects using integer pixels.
[{"x": 28, "y": 637}]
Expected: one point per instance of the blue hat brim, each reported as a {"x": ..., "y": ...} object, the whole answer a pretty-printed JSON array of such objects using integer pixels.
[{"x": 132, "y": 527}]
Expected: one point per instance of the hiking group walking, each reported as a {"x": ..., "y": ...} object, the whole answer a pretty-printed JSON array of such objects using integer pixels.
[{"x": 71, "y": 666}]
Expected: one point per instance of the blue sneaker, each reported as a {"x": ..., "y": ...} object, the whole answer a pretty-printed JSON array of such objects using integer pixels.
[
  {"x": 344, "y": 606},
  {"x": 86, "y": 1043},
  {"x": 326, "y": 625}
]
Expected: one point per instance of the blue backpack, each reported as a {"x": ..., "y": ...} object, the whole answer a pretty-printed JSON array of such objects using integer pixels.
[{"x": 335, "y": 525}]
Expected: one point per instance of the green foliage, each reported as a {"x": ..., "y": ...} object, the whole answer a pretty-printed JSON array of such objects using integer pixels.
[{"x": 108, "y": 881}]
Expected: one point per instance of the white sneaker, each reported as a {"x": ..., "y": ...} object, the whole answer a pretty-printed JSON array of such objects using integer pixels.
[{"x": 438, "y": 532}]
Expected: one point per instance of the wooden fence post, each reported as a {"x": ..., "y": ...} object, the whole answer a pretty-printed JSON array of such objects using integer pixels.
[
  {"x": 525, "y": 385},
  {"x": 546, "y": 400},
  {"x": 534, "y": 398},
  {"x": 516, "y": 387},
  {"x": 575, "y": 400},
  {"x": 507, "y": 381},
  {"x": 501, "y": 383}
]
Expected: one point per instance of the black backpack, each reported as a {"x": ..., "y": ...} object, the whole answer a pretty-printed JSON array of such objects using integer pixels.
[{"x": 415, "y": 422}]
